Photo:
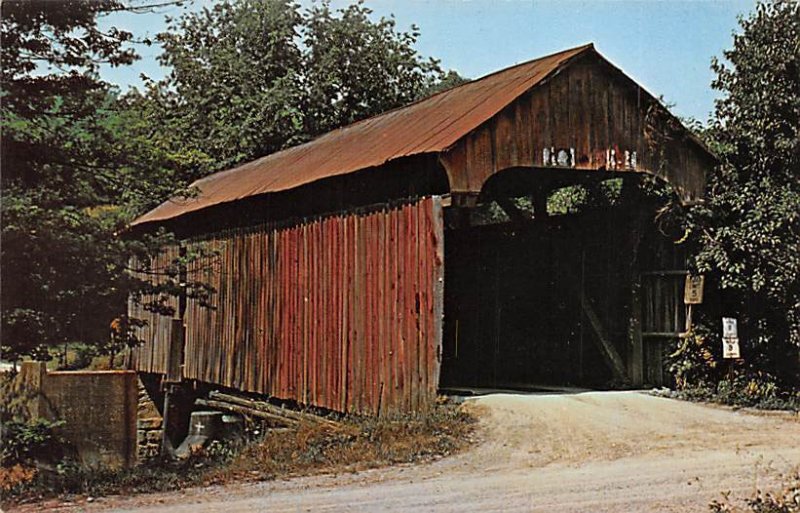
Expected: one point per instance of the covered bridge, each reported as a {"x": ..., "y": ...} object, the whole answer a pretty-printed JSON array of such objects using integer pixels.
[{"x": 413, "y": 251}]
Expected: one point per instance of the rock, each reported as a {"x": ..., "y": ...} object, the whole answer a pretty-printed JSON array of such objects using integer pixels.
[{"x": 149, "y": 423}]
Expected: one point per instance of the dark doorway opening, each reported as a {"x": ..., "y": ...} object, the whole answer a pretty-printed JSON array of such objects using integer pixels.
[
  {"x": 536, "y": 301},
  {"x": 513, "y": 313}
]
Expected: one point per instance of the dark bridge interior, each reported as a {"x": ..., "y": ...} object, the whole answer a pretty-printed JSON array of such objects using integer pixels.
[{"x": 545, "y": 300}]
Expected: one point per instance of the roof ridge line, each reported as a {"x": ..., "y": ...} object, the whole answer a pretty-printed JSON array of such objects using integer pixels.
[
  {"x": 579, "y": 48},
  {"x": 582, "y": 48}
]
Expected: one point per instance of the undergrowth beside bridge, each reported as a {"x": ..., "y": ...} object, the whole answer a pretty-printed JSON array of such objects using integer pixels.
[{"x": 357, "y": 443}]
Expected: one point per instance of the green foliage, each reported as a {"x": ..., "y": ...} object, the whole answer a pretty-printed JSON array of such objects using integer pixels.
[
  {"x": 749, "y": 229},
  {"x": 574, "y": 199},
  {"x": 29, "y": 442},
  {"x": 78, "y": 164},
  {"x": 25, "y": 441},
  {"x": 694, "y": 361},
  {"x": 355, "y": 68},
  {"x": 84, "y": 354},
  {"x": 252, "y": 77},
  {"x": 232, "y": 93},
  {"x": 450, "y": 80}
]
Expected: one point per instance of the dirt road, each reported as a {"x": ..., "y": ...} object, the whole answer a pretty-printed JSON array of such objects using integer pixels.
[{"x": 591, "y": 452}]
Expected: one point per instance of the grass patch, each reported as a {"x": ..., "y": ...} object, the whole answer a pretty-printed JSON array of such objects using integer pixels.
[
  {"x": 357, "y": 443},
  {"x": 785, "y": 500}
]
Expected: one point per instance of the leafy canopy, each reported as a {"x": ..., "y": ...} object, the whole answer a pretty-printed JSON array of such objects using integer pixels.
[
  {"x": 749, "y": 229},
  {"x": 73, "y": 174},
  {"x": 252, "y": 77}
]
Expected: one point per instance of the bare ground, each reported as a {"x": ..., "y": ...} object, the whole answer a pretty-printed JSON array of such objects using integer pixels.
[{"x": 588, "y": 452}]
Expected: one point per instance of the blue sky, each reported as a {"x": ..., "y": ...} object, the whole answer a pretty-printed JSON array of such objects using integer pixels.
[{"x": 665, "y": 45}]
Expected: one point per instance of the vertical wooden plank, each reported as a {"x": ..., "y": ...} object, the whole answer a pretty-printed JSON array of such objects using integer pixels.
[
  {"x": 393, "y": 312},
  {"x": 353, "y": 298},
  {"x": 379, "y": 342},
  {"x": 480, "y": 156},
  {"x": 410, "y": 316},
  {"x": 324, "y": 298},
  {"x": 374, "y": 292},
  {"x": 354, "y": 353},
  {"x": 334, "y": 320},
  {"x": 315, "y": 253},
  {"x": 364, "y": 358},
  {"x": 523, "y": 130},
  {"x": 438, "y": 292},
  {"x": 415, "y": 308},
  {"x": 540, "y": 122},
  {"x": 425, "y": 259},
  {"x": 399, "y": 308},
  {"x": 302, "y": 367},
  {"x": 345, "y": 325},
  {"x": 505, "y": 148}
]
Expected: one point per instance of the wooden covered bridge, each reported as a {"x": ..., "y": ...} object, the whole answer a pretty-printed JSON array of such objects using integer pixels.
[{"x": 367, "y": 269}]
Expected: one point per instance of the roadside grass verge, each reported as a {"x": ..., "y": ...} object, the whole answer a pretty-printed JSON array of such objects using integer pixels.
[
  {"x": 357, "y": 443},
  {"x": 785, "y": 500},
  {"x": 735, "y": 396}
]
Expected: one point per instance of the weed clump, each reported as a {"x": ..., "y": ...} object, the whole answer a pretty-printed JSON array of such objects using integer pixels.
[{"x": 786, "y": 500}]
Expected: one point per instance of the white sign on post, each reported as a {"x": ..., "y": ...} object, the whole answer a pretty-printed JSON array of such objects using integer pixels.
[
  {"x": 730, "y": 348},
  {"x": 730, "y": 338},
  {"x": 729, "y": 329}
]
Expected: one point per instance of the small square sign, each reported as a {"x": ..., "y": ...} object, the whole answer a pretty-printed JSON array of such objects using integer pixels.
[
  {"x": 730, "y": 348},
  {"x": 729, "y": 329},
  {"x": 693, "y": 290}
]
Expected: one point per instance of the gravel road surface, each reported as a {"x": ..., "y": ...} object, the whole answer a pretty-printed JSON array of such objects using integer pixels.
[{"x": 586, "y": 452}]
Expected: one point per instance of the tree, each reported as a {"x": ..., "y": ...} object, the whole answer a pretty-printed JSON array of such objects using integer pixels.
[
  {"x": 233, "y": 88},
  {"x": 73, "y": 175},
  {"x": 749, "y": 228},
  {"x": 355, "y": 68},
  {"x": 252, "y": 77},
  {"x": 449, "y": 80}
]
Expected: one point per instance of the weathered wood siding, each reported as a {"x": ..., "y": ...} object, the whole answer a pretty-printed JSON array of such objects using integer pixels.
[
  {"x": 153, "y": 354},
  {"x": 342, "y": 312},
  {"x": 592, "y": 109}
]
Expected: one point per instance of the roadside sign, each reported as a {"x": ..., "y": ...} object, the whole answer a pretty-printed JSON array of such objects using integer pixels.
[
  {"x": 730, "y": 348},
  {"x": 730, "y": 338},
  {"x": 729, "y": 328},
  {"x": 693, "y": 289}
]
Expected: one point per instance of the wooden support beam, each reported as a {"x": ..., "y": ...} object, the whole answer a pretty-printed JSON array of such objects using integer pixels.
[
  {"x": 539, "y": 199},
  {"x": 636, "y": 360},
  {"x": 513, "y": 212},
  {"x": 607, "y": 349},
  {"x": 266, "y": 407},
  {"x": 177, "y": 338},
  {"x": 252, "y": 412}
]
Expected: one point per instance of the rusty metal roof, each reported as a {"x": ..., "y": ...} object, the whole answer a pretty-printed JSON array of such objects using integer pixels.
[{"x": 427, "y": 126}]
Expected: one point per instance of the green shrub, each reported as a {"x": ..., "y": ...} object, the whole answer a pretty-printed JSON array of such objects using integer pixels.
[
  {"x": 29, "y": 442},
  {"x": 82, "y": 357}
]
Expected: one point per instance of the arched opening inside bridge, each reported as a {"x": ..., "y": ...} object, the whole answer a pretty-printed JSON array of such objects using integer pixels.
[{"x": 540, "y": 294}]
